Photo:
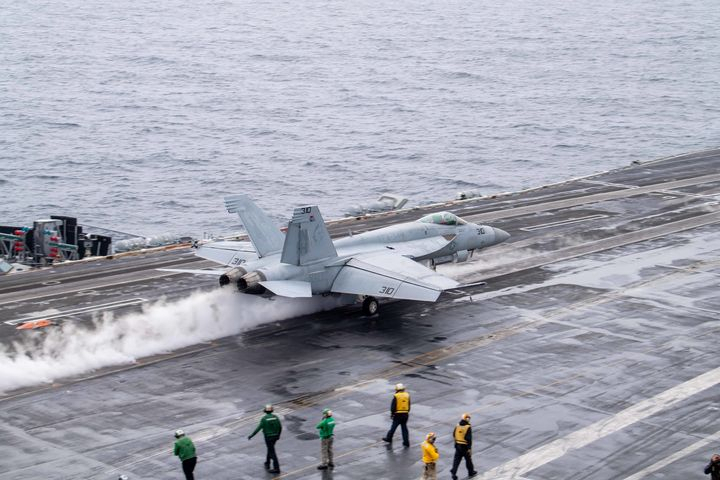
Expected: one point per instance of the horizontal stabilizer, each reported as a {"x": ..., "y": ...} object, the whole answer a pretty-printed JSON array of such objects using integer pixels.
[
  {"x": 231, "y": 253},
  {"x": 288, "y": 288}
]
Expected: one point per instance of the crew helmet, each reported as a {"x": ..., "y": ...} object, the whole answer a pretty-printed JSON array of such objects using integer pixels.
[
  {"x": 399, "y": 387},
  {"x": 466, "y": 417},
  {"x": 179, "y": 433},
  {"x": 268, "y": 408},
  {"x": 327, "y": 412},
  {"x": 430, "y": 437}
]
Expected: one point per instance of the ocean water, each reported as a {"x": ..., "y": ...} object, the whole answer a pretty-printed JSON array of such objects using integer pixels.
[{"x": 141, "y": 116}]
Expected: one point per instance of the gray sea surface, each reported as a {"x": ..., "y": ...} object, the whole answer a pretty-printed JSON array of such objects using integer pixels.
[{"x": 141, "y": 116}]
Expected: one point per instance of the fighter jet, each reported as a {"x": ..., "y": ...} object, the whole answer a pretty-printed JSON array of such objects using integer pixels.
[{"x": 392, "y": 262}]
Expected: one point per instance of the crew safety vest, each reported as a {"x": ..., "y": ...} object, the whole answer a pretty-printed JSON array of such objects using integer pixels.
[
  {"x": 430, "y": 453},
  {"x": 402, "y": 402},
  {"x": 460, "y": 432}
]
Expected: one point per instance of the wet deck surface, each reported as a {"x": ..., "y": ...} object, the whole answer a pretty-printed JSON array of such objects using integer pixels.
[{"x": 592, "y": 353}]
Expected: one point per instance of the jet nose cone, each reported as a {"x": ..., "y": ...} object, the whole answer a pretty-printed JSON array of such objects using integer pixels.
[{"x": 500, "y": 235}]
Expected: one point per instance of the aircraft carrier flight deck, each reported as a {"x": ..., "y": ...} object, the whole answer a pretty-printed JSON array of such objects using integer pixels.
[{"x": 590, "y": 353}]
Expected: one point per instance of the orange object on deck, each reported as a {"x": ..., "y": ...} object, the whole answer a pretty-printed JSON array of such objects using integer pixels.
[{"x": 34, "y": 324}]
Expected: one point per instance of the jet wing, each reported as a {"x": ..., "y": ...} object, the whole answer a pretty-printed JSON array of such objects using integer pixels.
[
  {"x": 421, "y": 247},
  {"x": 227, "y": 252},
  {"x": 388, "y": 274}
]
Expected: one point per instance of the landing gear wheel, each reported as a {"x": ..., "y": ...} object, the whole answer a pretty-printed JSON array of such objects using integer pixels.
[{"x": 370, "y": 306}]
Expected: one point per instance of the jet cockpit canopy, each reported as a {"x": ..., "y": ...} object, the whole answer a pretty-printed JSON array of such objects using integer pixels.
[{"x": 443, "y": 218}]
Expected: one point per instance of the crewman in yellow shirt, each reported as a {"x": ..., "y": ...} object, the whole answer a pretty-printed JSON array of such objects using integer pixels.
[
  {"x": 462, "y": 434},
  {"x": 430, "y": 457},
  {"x": 399, "y": 412}
]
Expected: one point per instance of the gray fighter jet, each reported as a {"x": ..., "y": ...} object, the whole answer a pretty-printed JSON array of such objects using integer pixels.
[{"x": 392, "y": 262}]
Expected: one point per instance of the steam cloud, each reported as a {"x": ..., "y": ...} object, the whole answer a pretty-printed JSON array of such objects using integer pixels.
[{"x": 74, "y": 348}]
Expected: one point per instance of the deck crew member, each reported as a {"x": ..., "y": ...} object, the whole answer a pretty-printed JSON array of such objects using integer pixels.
[
  {"x": 462, "y": 434},
  {"x": 399, "y": 412},
  {"x": 271, "y": 428},
  {"x": 326, "y": 427},
  {"x": 185, "y": 449},
  {"x": 430, "y": 457},
  {"x": 713, "y": 468}
]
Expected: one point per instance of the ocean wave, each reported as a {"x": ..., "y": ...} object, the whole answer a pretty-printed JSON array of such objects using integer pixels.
[
  {"x": 62, "y": 125},
  {"x": 144, "y": 60},
  {"x": 462, "y": 74},
  {"x": 45, "y": 176}
]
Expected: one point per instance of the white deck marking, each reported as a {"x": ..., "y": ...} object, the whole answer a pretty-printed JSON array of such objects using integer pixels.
[
  {"x": 665, "y": 461},
  {"x": 77, "y": 311},
  {"x": 505, "y": 213},
  {"x": 569, "y": 221},
  {"x": 600, "y": 429},
  {"x": 611, "y": 184},
  {"x": 18, "y": 298}
]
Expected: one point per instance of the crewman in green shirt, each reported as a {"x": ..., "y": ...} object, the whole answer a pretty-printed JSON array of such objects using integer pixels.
[
  {"x": 271, "y": 427},
  {"x": 326, "y": 427},
  {"x": 185, "y": 449}
]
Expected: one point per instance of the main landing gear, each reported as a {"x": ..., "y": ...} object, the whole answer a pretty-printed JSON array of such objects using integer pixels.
[{"x": 370, "y": 306}]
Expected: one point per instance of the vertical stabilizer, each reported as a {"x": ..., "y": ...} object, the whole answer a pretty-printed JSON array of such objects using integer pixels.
[
  {"x": 264, "y": 235},
  {"x": 307, "y": 239}
]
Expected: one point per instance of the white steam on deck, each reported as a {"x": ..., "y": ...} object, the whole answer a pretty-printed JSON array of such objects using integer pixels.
[{"x": 73, "y": 348}]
